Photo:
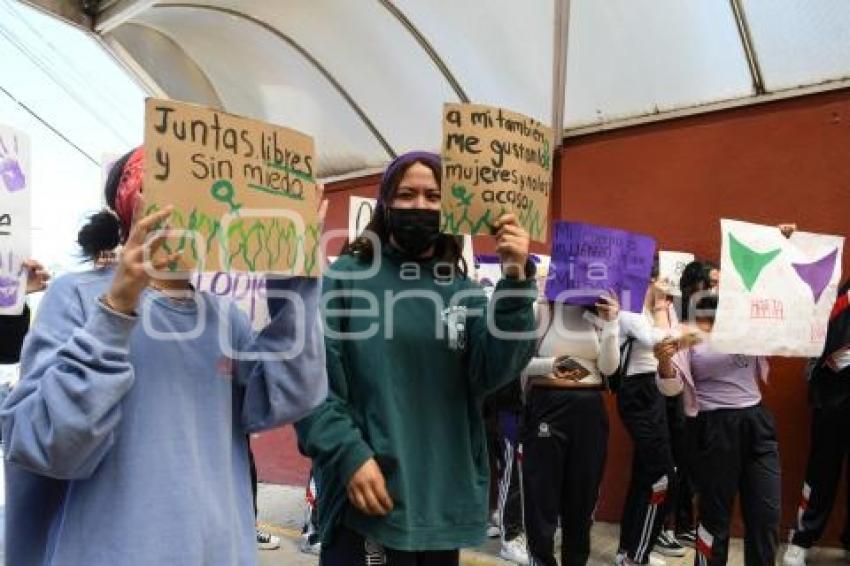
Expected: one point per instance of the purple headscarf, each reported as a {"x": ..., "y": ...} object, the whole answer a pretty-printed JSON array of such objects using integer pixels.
[{"x": 402, "y": 162}]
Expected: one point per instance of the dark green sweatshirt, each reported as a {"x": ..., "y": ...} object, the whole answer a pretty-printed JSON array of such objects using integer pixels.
[{"x": 408, "y": 391}]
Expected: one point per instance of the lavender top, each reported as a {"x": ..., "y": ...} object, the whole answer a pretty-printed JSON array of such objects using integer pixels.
[{"x": 724, "y": 381}]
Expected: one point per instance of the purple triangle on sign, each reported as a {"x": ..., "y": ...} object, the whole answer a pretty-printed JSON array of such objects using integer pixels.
[{"x": 817, "y": 274}]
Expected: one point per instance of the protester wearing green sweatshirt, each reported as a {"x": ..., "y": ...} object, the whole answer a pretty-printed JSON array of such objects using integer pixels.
[{"x": 399, "y": 447}]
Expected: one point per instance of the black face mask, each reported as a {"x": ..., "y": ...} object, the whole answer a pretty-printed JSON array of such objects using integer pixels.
[{"x": 415, "y": 230}]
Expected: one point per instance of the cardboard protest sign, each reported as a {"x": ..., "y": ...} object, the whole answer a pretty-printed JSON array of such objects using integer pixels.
[
  {"x": 588, "y": 260},
  {"x": 776, "y": 293},
  {"x": 244, "y": 191},
  {"x": 360, "y": 211},
  {"x": 15, "y": 229},
  {"x": 670, "y": 268},
  {"x": 494, "y": 161}
]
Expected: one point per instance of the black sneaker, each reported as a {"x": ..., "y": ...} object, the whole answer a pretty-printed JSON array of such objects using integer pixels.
[
  {"x": 668, "y": 545},
  {"x": 687, "y": 538}
]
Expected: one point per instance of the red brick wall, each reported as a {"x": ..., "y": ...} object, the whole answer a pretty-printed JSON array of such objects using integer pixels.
[{"x": 787, "y": 161}]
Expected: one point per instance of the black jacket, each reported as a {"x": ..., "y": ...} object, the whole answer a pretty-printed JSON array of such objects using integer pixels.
[
  {"x": 828, "y": 388},
  {"x": 13, "y": 329}
]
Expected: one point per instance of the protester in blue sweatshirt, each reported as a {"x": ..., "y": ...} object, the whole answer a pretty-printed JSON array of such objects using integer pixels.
[{"x": 126, "y": 437}]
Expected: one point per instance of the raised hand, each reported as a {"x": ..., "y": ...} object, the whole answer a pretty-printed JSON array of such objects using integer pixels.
[
  {"x": 787, "y": 229},
  {"x": 664, "y": 352},
  {"x": 37, "y": 276},
  {"x": 512, "y": 245},
  {"x": 608, "y": 307},
  {"x": 134, "y": 270}
]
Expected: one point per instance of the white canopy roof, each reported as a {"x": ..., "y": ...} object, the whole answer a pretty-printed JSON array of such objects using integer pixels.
[{"x": 368, "y": 78}]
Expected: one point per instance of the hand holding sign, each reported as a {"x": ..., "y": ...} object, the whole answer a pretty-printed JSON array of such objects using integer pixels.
[
  {"x": 664, "y": 352},
  {"x": 658, "y": 297},
  {"x": 787, "y": 229},
  {"x": 137, "y": 261},
  {"x": 669, "y": 347},
  {"x": 608, "y": 307},
  {"x": 37, "y": 276},
  {"x": 512, "y": 245}
]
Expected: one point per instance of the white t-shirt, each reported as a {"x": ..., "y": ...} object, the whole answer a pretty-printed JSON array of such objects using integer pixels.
[{"x": 574, "y": 332}]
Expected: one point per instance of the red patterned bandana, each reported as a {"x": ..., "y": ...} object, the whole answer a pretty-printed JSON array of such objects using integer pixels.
[{"x": 129, "y": 190}]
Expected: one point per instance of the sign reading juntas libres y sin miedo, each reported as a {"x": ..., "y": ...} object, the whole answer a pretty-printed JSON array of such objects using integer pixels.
[{"x": 244, "y": 192}]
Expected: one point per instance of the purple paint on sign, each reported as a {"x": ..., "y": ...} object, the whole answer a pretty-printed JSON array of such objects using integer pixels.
[
  {"x": 588, "y": 260},
  {"x": 12, "y": 175},
  {"x": 9, "y": 289},
  {"x": 817, "y": 274},
  {"x": 11, "y": 172}
]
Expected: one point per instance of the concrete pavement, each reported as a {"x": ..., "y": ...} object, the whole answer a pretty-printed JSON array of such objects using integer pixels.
[{"x": 282, "y": 513}]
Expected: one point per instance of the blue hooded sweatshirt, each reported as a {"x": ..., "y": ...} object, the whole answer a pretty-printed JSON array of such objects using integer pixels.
[{"x": 126, "y": 438}]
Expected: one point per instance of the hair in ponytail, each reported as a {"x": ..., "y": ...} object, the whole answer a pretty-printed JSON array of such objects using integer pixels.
[{"x": 102, "y": 232}]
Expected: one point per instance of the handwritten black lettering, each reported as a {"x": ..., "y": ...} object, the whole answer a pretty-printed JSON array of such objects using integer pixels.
[
  {"x": 200, "y": 169},
  {"x": 246, "y": 140},
  {"x": 229, "y": 141},
  {"x": 199, "y": 132},
  {"x": 483, "y": 119},
  {"x": 465, "y": 143},
  {"x": 164, "y": 161},
  {"x": 481, "y": 174},
  {"x": 519, "y": 201},
  {"x": 162, "y": 126},
  {"x": 209, "y": 167},
  {"x": 527, "y": 128},
  {"x": 454, "y": 117}
]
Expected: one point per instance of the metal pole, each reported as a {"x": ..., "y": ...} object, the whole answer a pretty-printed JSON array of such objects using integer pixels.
[
  {"x": 749, "y": 47},
  {"x": 559, "y": 70}
]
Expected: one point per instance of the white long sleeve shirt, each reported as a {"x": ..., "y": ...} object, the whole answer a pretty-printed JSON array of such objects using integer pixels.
[
  {"x": 577, "y": 333},
  {"x": 646, "y": 335}
]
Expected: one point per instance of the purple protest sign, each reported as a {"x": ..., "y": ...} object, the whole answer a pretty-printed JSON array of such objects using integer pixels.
[{"x": 588, "y": 259}]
